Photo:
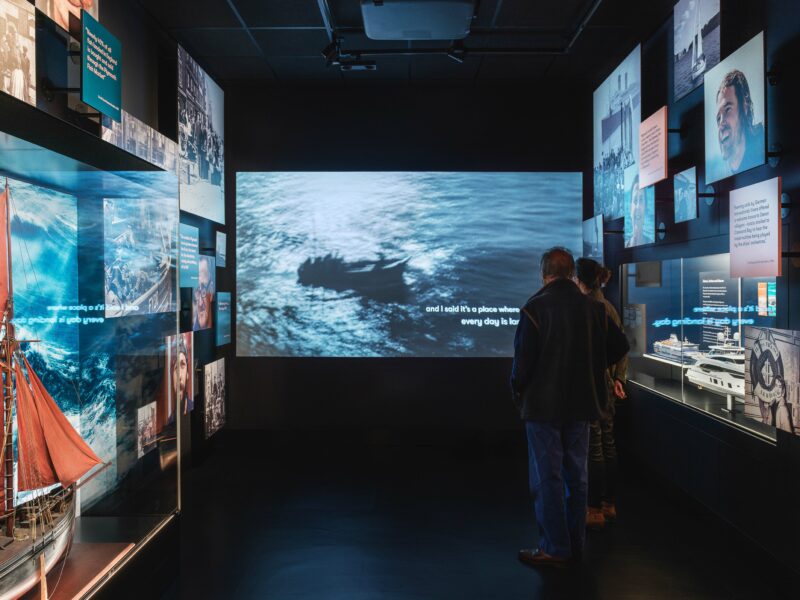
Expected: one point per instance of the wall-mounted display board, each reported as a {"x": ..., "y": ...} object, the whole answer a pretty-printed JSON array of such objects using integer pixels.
[
  {"x": 696, "y": 47},
  {"x": 653, "y": 148},
  {"x": 203, "y": 294},
  {"x": 222, "y": 249},
  {"x": 140, "y": 257},
  {"x": 93, "y": 386},
  {"x": 685, "y": 194},
  {"x": 223, "y": 318},
  {"x": 772, "y": 377},
  {"x": 214, "y": 397},
  {"x": 593, "y": 238},
  {"x": 201, "y": 132},
  {"x": 735, "y": 109},
  {"x": 138, "y": 138},
  {"x": 755, "y": 230},
  {"x": 101, "y": 68},
  {"x": 18, "y": 50},
  {"x": 394, "y": 263},
  {"x": 690, "y": 329},
  {"x": 617, "y": 117},
  {"x": 640, "y": 216},
  {"x": 189, "y": 250},
  {"x": 179, "y": 362},
  {"x": 67, "y": 13}
]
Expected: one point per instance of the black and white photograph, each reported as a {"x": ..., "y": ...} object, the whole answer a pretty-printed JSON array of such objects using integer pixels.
[
  {"x": 685, "y": 192},
  {"x": 214, "y": 397},
  {"x": 617, "y": 118},
  {"x": 735, "y": 110},
  {"x": 772, "y": 377},
  {"x": 696, "y": 43},
  {"x": 18, "y": 50},
  {"x": 138, "y": 138},
  {"x": 201, "y": 114},
  {"x": 146, "y": 429}
]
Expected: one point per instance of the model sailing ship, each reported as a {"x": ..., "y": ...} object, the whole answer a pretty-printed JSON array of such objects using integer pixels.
[
  {"x": 674, "y": 349},
  {"x": 721, "y": 370},
  {"x": 37, "y": 533}
]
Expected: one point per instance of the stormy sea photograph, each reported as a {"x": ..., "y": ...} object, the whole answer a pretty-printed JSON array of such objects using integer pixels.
[{"x": 383, "y": 264}]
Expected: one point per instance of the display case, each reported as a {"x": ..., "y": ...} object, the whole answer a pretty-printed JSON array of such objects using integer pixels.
[
  {"x": 91, "y": 366},
  {"x": 685, "y": 319}
]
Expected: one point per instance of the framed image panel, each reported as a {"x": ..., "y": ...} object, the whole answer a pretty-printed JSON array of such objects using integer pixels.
[
  {"x": 696, "y": 47},
  {"x": 685, "y": 194},
  {"x": 617, "y": 117},
  {"x": 18, "y": 50},
  {"x": 772, "y": 377},
  {"x": 735, "y": 112},
  {"x": 201, "y": 133},
  {"x": 640, "y": 216},
  {"x": 593, "y": 238},
  {"x": 214, "y": 397}
]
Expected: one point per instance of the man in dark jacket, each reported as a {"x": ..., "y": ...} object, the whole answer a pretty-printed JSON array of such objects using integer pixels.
[{"x": 563, "y": 346}]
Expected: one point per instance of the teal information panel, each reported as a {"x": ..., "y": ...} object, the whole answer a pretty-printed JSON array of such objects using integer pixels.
[
  {"x": 189, "y": 247},
  {"x": 101, "y": 75}
]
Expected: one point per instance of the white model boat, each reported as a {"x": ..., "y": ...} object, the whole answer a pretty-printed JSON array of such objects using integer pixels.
[
  {"x": 721, "y": 370},
  {"x": 677, "y": 350}
]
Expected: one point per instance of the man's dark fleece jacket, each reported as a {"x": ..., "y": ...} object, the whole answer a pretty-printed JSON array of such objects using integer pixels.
[{"x": 563, "y": 346}]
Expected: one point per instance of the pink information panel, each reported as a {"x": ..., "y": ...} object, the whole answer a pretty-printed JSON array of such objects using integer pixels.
[{"x": 755, "y": 230}]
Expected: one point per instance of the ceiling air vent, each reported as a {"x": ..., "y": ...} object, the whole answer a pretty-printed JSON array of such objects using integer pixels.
[{"x": 417, "y": 19}]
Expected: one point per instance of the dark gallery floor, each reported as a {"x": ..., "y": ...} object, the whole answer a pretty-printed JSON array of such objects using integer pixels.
[{"x": 381, "y": 521}]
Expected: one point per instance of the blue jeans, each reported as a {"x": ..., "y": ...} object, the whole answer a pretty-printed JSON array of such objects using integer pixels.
[{"x": 558, "y": 478}]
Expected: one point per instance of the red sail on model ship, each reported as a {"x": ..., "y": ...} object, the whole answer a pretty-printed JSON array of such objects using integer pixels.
[{"x": 37, "y": 533}]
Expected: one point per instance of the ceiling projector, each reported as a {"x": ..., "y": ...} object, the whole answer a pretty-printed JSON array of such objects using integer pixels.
[{"x": 417, "y": 19}]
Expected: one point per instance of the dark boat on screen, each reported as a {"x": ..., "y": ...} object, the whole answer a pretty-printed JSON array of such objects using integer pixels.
[{"x": 366, "y": 276}]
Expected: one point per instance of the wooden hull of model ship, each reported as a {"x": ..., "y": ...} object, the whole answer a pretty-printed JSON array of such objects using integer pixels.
[{"x": 20, "y": 566}]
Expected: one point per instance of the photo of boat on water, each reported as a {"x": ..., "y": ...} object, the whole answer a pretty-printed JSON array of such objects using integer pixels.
[
  {"x": 394, "y": 263},
  {"x": 696, "y": 43},
  {"x": 140, "y": 256}
]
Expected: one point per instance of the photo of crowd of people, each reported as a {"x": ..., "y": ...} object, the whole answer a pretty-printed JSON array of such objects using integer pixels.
[
  {"x": 18, "y": 50},
  {"x": 201, "y": 125},
  {"x": 214, "y": 396},
  {"x": 617, "y": 117},
  {"x": 141, "y": 140}
]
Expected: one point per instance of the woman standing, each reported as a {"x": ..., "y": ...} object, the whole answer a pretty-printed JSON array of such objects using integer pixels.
[{"x": 591, "y": 276}]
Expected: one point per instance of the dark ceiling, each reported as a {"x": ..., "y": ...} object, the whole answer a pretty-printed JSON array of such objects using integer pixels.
[{"x": 510, "y": 40}]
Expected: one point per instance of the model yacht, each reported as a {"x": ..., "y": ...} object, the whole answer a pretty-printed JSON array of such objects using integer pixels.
[
  {"x": 677, "y": 350},
  {"x": 721, "y": 370}
]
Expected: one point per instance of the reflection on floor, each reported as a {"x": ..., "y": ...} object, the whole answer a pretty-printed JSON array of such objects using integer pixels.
[{"x": 433, "y": 522}]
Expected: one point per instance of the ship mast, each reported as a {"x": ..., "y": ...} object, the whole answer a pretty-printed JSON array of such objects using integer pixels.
[{"x": 7, "y": 308}]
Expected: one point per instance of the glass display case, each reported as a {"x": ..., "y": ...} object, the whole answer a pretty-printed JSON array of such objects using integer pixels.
[
  {"x": 685, "y": 319},
  {"x": 90, "y": 364}
]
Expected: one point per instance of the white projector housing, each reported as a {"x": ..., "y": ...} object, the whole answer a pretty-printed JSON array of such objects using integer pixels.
[{"x": 417, "y": 19}]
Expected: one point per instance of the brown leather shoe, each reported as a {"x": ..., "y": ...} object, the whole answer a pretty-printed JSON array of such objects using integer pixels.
[
  {"x": 609, "y": 512},
  {"x": 539, "y": 558},
  {"x": 595, "y": 519}
]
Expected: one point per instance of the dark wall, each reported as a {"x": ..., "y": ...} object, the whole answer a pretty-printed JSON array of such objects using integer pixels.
[
  {"x": 546, "y": 128},
  {"x": 748, "y": 481}
]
